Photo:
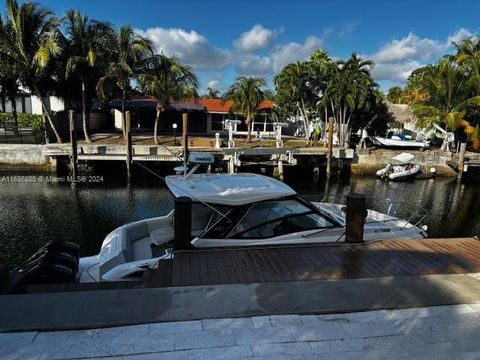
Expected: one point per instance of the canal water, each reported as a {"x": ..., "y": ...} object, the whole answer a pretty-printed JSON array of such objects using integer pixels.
[{"x": 35, "y": 212}]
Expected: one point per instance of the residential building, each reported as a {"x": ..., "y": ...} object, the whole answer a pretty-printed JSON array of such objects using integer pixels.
[{"x": 206, "y": 115}]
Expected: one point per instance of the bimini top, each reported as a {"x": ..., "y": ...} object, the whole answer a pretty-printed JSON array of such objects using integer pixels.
[{"x": 228, "y": 189}]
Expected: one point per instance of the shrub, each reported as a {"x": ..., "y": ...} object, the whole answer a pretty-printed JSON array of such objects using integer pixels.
[{"x": 33, "y": 121}]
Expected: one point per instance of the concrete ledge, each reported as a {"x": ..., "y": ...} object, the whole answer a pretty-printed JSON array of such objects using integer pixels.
[{"x": 107, "y": 308}]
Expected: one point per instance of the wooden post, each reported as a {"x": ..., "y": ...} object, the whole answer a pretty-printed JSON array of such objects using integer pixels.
[
  {"x": 182, "y": 223},
  {"x": 73, "y": 145},
  {"x": 461, "y": 159},
  {"x": 128, "y": 129},
  {"x": 355, "y": 218},
  {"x": 185, "y": 141},
  {"x": 330, "y": 145}
]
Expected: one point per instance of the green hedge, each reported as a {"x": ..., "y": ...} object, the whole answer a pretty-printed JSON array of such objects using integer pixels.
[{"x": 33, "y": 121}]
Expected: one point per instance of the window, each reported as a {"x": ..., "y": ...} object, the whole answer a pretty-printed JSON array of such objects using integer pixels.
[
  {"x": 217, "y": 122},
  {"x": 275, "y": 218},
  {"x": 204, "y": 216}
]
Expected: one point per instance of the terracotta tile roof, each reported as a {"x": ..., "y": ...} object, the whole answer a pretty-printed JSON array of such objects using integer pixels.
[
  {"x": 210, "y": 104},
  {"x": 219, "y": 105}
]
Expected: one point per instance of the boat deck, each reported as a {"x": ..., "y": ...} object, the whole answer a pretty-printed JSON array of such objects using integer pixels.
[{"x": 318, "y": 262}]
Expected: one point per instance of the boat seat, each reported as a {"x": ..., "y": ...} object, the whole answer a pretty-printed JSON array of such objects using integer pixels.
[{"x": 137, "y": 236}]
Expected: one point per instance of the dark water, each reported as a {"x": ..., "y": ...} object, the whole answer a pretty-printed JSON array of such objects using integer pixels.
[{"x": 34, "y": 213}]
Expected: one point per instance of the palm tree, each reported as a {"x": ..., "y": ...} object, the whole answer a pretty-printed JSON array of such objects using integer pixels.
[
  {"x": 212, "y": 93},
  {"x": 166, "y": 79},
  {"x": 86, "y": 41},
  {"x": 32, "y": 44},
  {"x": 247, "y": 93},
  {"x": 350, "y": 85},
  {"x": 9, "y": 77},
  {"x": 293, "y": 86},
  {"x": 129, "y": 52},
  {"x": 447, "y": 98}
]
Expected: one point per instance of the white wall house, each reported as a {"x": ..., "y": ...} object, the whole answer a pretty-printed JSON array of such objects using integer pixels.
[{"x": 31, "y": 104}]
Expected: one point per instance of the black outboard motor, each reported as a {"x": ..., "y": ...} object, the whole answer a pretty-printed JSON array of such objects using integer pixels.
[{"x": 55, "y": 262}]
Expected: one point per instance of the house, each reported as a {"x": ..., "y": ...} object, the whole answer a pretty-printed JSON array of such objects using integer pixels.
[
  {"x": 206, "y": 115},
  {"x": 31, "y": 104}
]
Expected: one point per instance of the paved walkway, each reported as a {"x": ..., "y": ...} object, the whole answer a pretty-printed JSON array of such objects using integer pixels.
[{"x": 442, "y": 332}]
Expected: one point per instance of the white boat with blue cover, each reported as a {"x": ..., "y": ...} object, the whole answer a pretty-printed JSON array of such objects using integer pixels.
[{"x": 231, "y": 210}]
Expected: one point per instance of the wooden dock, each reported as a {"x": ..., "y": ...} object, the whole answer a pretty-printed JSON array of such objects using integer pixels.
[{"x": 318, "y": 262}]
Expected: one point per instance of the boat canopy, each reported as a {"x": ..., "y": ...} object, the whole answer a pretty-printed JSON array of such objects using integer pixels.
[
  {"x": 228, "y": 189},
  {"x": 403, "y": 158}
]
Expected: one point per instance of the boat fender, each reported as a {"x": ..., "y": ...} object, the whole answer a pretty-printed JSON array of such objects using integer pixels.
[{"x": 433, "y": 170}]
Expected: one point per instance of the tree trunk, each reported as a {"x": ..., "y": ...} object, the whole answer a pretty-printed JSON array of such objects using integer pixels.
[
  {"x": 325, "y": 132},
  {"x": 13, "y": 100},
  {"x": 4, "y": 102},
  {"x": 305, "y": 123},
  {"x": 84, "y": 115},
  {"x": 47, "y": 114},
  {"x": 124, "y": 124},
  {"x": 249, "y": 129},
  {"x": 157, "y": 120}
]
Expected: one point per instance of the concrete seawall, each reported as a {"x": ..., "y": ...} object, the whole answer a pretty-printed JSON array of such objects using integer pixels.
[
  {"x": 369, "y": 162},
  {"x": 44, "y": 157},
  {"x": 26, "y": 157}
]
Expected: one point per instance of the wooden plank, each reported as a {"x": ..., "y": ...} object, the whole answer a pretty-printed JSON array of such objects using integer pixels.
[{"x": 314, "y": 262}]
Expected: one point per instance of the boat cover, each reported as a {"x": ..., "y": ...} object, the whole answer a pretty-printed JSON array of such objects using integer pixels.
[{"x": 403, "y": 158}]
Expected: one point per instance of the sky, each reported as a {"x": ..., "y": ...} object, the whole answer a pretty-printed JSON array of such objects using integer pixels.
[{"x": 222, "y": 40}]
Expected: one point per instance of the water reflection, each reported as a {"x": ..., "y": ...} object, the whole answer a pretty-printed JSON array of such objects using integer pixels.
[{"x": 32, "y": 214}]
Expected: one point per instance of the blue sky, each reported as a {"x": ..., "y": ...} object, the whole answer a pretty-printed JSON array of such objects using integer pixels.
[{"x": 222, "y": 40}]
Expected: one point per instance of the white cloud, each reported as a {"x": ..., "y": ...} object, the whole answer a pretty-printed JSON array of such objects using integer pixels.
[
  {"x": 459, "y": 36},
  {"x": 190, "y": 47},
  {"x": 395, "y": 60},
  {"x": 409, "y": 47},
  {"x": 282, "y": 55},
  {"x": 396, "y": 72},
  {"x": 253, "y": 65},
  {"x": 255, "y": 39}
]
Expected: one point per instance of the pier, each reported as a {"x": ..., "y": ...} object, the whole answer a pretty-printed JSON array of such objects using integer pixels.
[
  {"x": 47, "y": 157},
  {"x": 203, "y": 284}
]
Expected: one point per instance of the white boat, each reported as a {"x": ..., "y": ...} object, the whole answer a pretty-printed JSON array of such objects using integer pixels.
[
  {"x": 398, "y": 143},
  {"x": 231, "y": 210},
  {"x": 401, "y": 167}
]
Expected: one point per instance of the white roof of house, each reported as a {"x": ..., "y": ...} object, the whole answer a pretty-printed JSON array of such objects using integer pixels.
[{"x": 228, "y": 189}]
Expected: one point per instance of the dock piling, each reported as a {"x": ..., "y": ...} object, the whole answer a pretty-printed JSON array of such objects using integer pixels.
[
  {"x": 185, "y": 141},
  {"x": 128, "y": 129},
  {"x": 330, "y": 146},
  {"x": 355, "y": 218},
  {"x": 461, "y": 159},
  {"x": 73, "y": 145},
  {"x": 182, "y": 223}
]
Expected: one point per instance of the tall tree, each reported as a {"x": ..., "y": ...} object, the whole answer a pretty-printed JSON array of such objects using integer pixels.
[
  {"x": 212, "y": 93},
  {"x": 129, "y": 51},
  {"x": 166, "y": 79},
  {"x": 31, "y": 46},
  {"x": 395, "y": 95},
  {"x": 350, "y": 85},
  {"x": 9, "y": 76},
  {"x": 447, "y": 97},
  {"x": 86, "y": 41},
  {"x": 247, "y": 93},
  {"x": 294, "y": 93}
]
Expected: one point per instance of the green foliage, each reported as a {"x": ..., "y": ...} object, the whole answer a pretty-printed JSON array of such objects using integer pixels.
[
  {"x": 33, "y": 121},
  {"x": 247, "y": 93}
]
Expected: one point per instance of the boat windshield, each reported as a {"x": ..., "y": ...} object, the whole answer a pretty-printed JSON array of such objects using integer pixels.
[{"x": 268, "y": 219}]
